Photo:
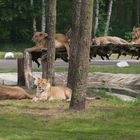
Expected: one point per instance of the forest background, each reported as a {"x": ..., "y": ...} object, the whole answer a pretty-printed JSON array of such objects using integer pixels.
[{"x": 16, "y": 18}]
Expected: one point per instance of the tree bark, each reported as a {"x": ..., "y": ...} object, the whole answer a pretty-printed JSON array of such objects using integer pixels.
[
  {"x": 34, "y": 19},
  {"x": 74, "y": 41},
  {"x": 29, "y": 81},
  {"x": 51, "y": 24},
  {"x": 21, "y": 76},
  {"x": 108, "y": 17},
  {"x": 80, "y": 74},
  {"x": 96, "y": 22},
  {"x": 43, "y": 20}
]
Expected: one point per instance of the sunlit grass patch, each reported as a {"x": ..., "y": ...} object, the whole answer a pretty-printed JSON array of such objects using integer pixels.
[
  {"x": 108, "y": 118},
  {"x": 133, "y": 69}
]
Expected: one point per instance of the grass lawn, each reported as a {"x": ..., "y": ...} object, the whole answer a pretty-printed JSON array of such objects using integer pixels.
[
  {"x": 133, "y": 69},
  {"x": 104, "y": 119}
]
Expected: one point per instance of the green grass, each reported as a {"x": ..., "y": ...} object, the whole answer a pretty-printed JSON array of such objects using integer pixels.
[
  {"x": 16, "y": 54},
  {"x": 105, "y": 119},
  {"x": 16, "y": 48},
  {"x": 133, "y": 69}
]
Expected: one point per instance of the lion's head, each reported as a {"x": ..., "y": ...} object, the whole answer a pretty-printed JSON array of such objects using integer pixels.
[
  {"x": 38, "y": 36},
  {"x": 136, "y": 33},
  {"x": 43, "y": 85}
]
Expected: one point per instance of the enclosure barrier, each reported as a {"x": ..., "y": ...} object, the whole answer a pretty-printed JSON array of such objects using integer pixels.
[{"x": 25, "y": 75}]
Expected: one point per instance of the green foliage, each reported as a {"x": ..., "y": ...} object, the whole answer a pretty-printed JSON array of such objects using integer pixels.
[
  {"x": 128, "y": 36},
  {"x": 16, "y": 18},
  {"x": 64, "y": 15}
]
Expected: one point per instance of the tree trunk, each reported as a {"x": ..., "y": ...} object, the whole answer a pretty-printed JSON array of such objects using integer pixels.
[
  {"x": 96, "y": 22},
  {"x": 51, "y": 24},
  {"x": 29, "y": 81},
  {"x": 80, "y": 74},
  {"x": 34, "y": 19},
  {"x": 74, "y": 41},
  {"x": 21, "y": 76},
  {"x": 108, "y": 17},
  {"x": 43, "y": 20}
]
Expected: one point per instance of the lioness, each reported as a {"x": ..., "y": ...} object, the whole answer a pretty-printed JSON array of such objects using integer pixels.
[
  {"x": 61, "y": 41},
  {"x": 104, "y": 40},
  {"x": 9, "y": 92},
  {"x": 47, "y": 92}
]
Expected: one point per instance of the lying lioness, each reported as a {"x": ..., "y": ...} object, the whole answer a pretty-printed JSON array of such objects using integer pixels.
[
  {"x": 47, "y": 92},
  {"x": 104, "y": 40},
  {"x": 61, "y": 41},
  {"x": 9, "y": 92}
]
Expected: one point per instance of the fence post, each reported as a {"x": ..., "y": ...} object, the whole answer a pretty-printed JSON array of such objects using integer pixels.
[
  {"x": 20, "y": 71},
  {"x": 29, "y": 80}
]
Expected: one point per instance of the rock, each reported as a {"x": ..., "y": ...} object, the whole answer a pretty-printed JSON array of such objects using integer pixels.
[
  {"x": 122, "y": 64},
  {"x": 9, "y": 55}
]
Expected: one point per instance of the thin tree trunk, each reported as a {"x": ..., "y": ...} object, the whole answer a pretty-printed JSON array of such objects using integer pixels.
[
  {"x": 108, "y": 17},
  {"x": 51, "y": 24},
  {"x": 96, "y": 18},
  {"x": 34, "y": 19},
  {"x": 43, "y": 20},
  {"x": 137, "y": 13},
  {"x": 79, "y": 78}
]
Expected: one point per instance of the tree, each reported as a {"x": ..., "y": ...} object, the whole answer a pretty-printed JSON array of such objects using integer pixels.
[
  {"x": 96, "y": 22},
  {"x": 48, "y": 68},
  {"x": 74, "y": 41},
  {"x": 108, "y": 17},
  {"x": 43, "y": 18},
  {"x": 82, "y": 45},
  {"x": 33, "y": 17}
]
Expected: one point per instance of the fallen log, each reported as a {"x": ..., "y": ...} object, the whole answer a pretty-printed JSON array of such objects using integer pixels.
[{"x": 128, "y": 84}]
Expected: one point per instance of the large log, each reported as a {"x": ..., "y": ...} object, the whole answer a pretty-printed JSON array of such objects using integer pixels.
[{"x": 129, "y": 84}]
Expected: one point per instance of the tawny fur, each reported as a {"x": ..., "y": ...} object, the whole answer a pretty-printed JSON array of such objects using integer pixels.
[
  {"x": 61, "y": 41},
  {"x": 104, "y": 40},
  {"x": 9, "y": 92},
  {"x": 135, "y": 35},
  {"x": 47, "y": 92},
  {"x": 135, "y": 41}
]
